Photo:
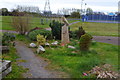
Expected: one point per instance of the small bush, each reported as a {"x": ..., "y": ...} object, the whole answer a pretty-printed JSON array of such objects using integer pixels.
[
  {"x": 77, "y": 33},
  {"x": 40, "y": 39},
  {"x": 85, "y": 42},
  {"x": 56, "y": 29},
  {"x": 80, "y": 32},
  {"x": 72, "y": 34},
  {"x": 7, "y": 38},
  {"x": 32, "y": 35}
]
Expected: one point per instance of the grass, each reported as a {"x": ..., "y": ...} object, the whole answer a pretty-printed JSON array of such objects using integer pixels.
[
  {"x": 35, "y": 22},
  {"x": 75, "y": 64},
  {"x": 23, "y": 38},
  {"x": 98, "y": 29},
  {"x": 16, "y": 70},
  {"x": 7, "y": 23}
]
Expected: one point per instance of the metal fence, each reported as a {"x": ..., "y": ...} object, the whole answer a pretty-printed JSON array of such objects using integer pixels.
[{"x": 96, "y": 17}]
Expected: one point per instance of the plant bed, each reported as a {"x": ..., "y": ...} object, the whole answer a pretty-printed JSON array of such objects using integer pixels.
[
  {"x": 5, "y": 49},
  {"x": 5, "y": 68}
]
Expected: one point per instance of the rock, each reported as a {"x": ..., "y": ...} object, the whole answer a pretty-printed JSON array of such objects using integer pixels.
[
  {"x": 40, "y": 49},
  {"x": 72, "y": 47},
  {"x": 32, "y": 45},
  {"x": 55, "y": 43},
  {"x": 47, "y": 44}
]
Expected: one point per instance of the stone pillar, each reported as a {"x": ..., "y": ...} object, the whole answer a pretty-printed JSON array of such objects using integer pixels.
[{"x": 65, "y": 32}]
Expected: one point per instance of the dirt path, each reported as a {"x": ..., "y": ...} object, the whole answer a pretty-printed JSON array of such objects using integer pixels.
[{"x": 35, "y": 64}]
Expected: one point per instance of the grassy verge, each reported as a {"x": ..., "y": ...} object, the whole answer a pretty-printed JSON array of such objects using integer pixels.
[
  {"x": 98, "y": 29},
  {"x": 16, "y": 70}
]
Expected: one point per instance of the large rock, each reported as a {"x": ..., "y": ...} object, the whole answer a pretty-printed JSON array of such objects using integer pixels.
[
  {"x": 55, "y": 43},
  {"x": 32, "y": 45},
  {"x": 40, "y": 49},
  {"x": 47, "y": 44},
  {"x": 5, "y": 68},
  {"x": 72, "y": 47}
]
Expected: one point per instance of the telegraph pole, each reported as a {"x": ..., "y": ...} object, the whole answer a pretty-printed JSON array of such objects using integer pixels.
[
  {"x": 81, "y": 10},
  {"x": 47, "y": 10}
]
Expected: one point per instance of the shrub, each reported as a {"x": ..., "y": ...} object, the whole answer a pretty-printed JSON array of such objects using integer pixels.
[
  {"x": 80, "y": 32},
  {"x": 75, "y": 15},
  {"x": 56, "y": 29},
  {"x": 77, "y": 33},
  {"x": 40, "y": 39},
  {"x": 72, "y": 34},
  {"x": 32, "y": 35},
  {"x": 7, "y": 38},
  {"x": 85, "y": 42}
]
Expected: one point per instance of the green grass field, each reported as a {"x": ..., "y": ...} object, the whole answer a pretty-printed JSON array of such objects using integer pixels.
[
  {"x": 35, "y": 22},
  {"x": 98, "y": 29}
]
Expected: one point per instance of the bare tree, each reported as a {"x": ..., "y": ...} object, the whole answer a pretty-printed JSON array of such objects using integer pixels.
[
  {"x": 21, "y": 22},
  {"x": 28, "y": 9}
]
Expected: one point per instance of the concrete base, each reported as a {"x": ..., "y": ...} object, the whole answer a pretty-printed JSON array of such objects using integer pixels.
[{"x": 5, "y": 68}]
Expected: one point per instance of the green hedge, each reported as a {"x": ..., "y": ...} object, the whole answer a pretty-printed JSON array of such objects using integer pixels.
[{"x": 47, "y": 34}]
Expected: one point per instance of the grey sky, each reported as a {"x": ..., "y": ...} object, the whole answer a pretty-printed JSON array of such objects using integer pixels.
[{"x": 96, "y": 5}]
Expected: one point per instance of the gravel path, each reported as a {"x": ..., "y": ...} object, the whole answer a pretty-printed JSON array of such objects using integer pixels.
[
  {"x": 69, "y": 25},
  {"x": 74, "y": 23},
  {"x": 35, "y": 64},
  {"x": 107, "y": 39},
  {"x": 103, "y": 21},
  {"x": 8, "y": 31}
]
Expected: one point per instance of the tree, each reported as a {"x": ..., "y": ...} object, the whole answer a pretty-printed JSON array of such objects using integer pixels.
[
  {"x": 75, "y": 14},
  {"x": 21, "y": 20},
  {"x": 89, "y": 11},
  {"x": 4, "y": 11},
  {"x": 21, "y": 23},
  {"x": 15, "y": 12}
]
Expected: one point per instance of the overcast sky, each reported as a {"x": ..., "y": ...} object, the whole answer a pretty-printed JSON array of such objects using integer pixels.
[{"x": 96, "y": 5}]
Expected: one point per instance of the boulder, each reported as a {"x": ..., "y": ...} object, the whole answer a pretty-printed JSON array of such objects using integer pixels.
[
  {"x": 72, "y": 47},
  {"x": 32, "y": 45},
  {"x": 55, "y": 43},
  {"x": 5, "y": 68},
  {"x": 47, "y": 44},
  {"x": 40, "y": 49}
]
